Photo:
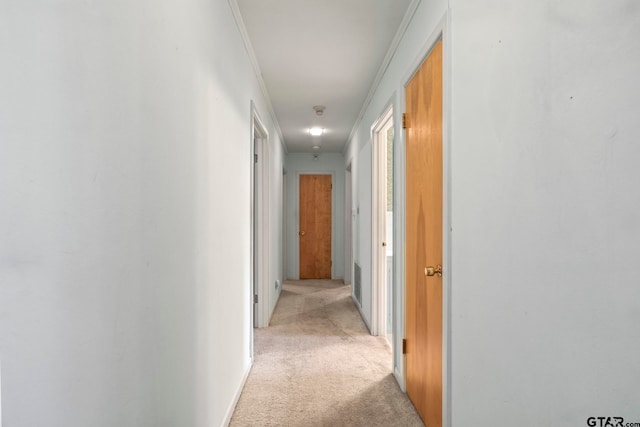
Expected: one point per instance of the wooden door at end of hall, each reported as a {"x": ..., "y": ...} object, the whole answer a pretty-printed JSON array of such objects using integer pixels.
[
  {"x": 424, "y": 239},
  {"x": 315, "y": 227}
]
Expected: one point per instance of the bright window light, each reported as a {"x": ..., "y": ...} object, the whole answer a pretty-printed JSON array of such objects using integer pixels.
[{"x": 316, "y": 131}]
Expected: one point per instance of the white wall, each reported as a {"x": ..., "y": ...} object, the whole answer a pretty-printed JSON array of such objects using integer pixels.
[
  {"x": 545, "y": 302},
  {"x": 303, "y": 163},
  {"x": 364, "y": 226},
  {"x": 124, "y": 251},
  {"x": 546, "y": 231},
  {"x": 276, "y": 229}
]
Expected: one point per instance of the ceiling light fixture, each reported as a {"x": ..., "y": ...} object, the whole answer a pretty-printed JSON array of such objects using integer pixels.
[
  {"x": 316, "y": 147},
  {"x": 316, "y": 131}
]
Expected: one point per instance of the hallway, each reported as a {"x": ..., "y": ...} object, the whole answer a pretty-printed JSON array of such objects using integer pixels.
[
  {"x": 317, "y": 365},
  {"x": 150, "y": 168}
]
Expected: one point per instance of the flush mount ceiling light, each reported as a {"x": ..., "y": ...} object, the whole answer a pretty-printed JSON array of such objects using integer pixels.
[{"x": 316, "y": 131}]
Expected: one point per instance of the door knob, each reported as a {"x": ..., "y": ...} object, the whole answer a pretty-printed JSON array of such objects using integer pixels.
[
  {"x": 301, "y": 233},
  {"x": 433, "y": 271}
]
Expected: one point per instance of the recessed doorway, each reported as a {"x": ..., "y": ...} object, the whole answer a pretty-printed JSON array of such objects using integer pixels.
[
  {"x": 315, "y": 226},
  {"x": 382, "y": 216},
  {"x": 260, "y": 221}
]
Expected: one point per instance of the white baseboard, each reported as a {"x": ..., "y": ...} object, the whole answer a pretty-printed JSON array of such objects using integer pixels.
[{"x": 227, "y": 417}]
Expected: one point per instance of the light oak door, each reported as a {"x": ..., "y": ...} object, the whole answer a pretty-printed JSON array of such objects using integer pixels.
[
  {"x": 315, "y": 227},
  {"x": 424, "y": 239}
]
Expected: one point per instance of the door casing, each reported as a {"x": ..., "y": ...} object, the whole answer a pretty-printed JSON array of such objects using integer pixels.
[
  {"x": 378, "y": 221},
  {"x": 260, "y": 221}
]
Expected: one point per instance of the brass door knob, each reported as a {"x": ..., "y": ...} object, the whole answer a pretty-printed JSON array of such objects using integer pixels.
[
  {"x": 301, "y": 233},
  {"x": 433, "y": 271}
]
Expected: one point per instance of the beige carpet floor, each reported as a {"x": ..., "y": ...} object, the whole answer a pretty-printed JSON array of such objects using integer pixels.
[{"x": 317, "y": 365}]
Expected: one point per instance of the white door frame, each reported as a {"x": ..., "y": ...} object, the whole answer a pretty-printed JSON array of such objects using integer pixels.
[
  {"x": 283, "y": 234},
  {"x": 260, "y": 216},
  {"x": 378, "y": 220}
]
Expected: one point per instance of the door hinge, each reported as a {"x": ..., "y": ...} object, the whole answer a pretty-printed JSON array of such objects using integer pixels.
[
  {"x": 255, "y": 158},
  {"x": 405, "y": 121},
  {"x": 404, "y": 346},
  {"x": 255, "y": 299}
]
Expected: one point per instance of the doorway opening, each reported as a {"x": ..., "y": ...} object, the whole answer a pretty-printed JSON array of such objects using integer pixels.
[
  {"x": 315, "y": 233},
  {"x": 424, "y": 258},
  {"x": 383, "y": 221},
  {"x": 259, "y": 222}
]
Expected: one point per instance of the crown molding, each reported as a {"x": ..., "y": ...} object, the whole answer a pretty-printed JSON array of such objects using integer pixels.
[
  {"x": 237, "y": 16},
  {"x": 408, "y": 16}
]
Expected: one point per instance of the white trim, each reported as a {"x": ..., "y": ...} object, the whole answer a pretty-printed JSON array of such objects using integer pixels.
[
  {"x": 441, "y": 32},
  {"x": 262, "y": 213},
  {"x": 378, "y": 220},
  {"x": 236, "y": 396},
  {"x": 404, "y": 24},
  {"x": 296, "y": 246},
  {"x": 237, "y": 16},
  {"x": 252, "y": 215},
  {"x": 283, "y": 234}
]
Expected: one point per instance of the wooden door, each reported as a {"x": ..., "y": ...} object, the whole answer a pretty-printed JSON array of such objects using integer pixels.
[
  {"x": 315, "y": 227},
  {"x": 424, "y": 239}
]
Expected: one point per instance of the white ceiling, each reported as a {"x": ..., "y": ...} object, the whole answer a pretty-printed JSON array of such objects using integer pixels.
[{"x": 324, "y": 52}]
